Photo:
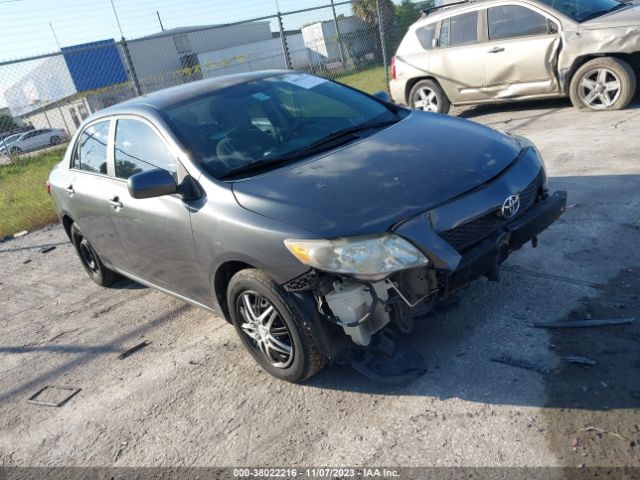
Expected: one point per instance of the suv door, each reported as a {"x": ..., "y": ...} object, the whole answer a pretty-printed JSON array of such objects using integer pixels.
[
  {"x": 521, "y": 52},
  {"x": 457, "y": 60},
  {"x": 88, "y": 188},
  {"x": 155, "y": 233}
]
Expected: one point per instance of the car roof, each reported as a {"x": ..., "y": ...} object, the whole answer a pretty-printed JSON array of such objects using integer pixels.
[
  {"x": 173, "y": 95},
  {"x": 472, "y": 5}
]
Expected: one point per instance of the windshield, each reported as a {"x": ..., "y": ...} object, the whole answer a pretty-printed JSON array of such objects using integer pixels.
[
  {"x": 583, "y": 10},
  {"x": 270, "y": 120}
]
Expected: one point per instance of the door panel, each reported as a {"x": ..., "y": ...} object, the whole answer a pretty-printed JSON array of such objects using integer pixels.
[
  {"x": 89, "y": 209},
  {"x": 88, "y": 190},
  {"x": 457, "y": 62},
  {"x": 520, "y": 57},
  {"x": 155, "y": 233}
]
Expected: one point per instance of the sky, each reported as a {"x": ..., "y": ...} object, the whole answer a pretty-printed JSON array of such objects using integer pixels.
[
  {"x": 25, "y": 29},
  {"x": 27, "y": 26}
]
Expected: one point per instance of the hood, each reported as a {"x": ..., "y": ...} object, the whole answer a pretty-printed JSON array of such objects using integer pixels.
[
  {"x": 625, "y": 17},
  {"x": 368, "y": 185}
]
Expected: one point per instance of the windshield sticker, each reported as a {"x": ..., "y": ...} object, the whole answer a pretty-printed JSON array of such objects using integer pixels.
[
  {"x": 304, "y": 81},
  {"x": 260, "y": 96}
]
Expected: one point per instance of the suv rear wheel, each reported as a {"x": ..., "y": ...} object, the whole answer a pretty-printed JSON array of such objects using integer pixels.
[
  {"x": 271, "y": 327},
  {"x": 427, "y": 95},
  {"x": 604, "y": 83}
]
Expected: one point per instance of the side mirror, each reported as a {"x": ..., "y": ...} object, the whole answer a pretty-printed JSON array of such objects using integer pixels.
[
  {"x": 434, "y": 43},
  {"x": 382, "y": 95},
  {"x": 152, "y": 183}
]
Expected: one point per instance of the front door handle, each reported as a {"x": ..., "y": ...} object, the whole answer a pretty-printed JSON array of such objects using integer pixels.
[
  {"x": 115, "y": 203},
  {"x": 496, "y": 50}
]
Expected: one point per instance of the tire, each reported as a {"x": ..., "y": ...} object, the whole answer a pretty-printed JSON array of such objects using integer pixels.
[
  {"x": 15, "y": 151},
  {"x": 428, "y": 96},
  {"x": 91, "y": 260},
  {"x": 254, "y": 289},
  {"x": 54, "y": 140},
  {"x": 593, "y": 86}
]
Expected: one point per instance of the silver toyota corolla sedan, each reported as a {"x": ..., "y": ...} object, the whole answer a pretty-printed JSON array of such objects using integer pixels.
[
  {"x": 314, "y": 217},
  {"x": 505, "y": 50}
]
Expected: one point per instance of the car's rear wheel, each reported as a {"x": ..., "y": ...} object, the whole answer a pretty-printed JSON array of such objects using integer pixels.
[
  {"x": 15, "y": 151},
  {"x": 271, "y": 328},
  {"x": 428, "y": 96},
  {"x": 603, "y": 84},
  {"x": 54, "y": 140},
  {"x": 91, "y": 260}
]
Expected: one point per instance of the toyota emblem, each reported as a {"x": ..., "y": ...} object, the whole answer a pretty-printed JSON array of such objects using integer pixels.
[{"x": 510, "y": 206}]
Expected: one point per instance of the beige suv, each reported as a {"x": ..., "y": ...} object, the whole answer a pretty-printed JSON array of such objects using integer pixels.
[{"x": 506, "y": 50}]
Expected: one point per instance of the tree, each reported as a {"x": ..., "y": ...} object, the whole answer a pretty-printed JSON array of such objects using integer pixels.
[
  {"x": 406, "y": 14},
  {"x": 367, "y": 10},
  {"x": 7, "y": 123}
]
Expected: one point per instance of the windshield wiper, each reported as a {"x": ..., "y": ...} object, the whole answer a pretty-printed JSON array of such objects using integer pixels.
[
  {"x": 319, "y": 145},
  {"x": 593, "y": 15}
]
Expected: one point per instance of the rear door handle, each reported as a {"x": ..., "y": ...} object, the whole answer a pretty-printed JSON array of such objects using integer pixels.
[
  {"x": 115, "y": 203},
  {"x": 70, "y": 190},
  {"x": 496, "y": 50}
]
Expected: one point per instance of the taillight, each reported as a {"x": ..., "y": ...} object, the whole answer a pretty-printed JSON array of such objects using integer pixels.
[
  {"x": 393, "y": 67},
  {"x": 48, "y": 187}
]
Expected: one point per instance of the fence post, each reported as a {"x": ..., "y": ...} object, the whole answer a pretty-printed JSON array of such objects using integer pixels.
[
  {"x": 129, "y": 62},
  {"x": 335, "y": 21},
  {"x": 285, "y": 48},
  {"x": 46, "y": 117},
  {"x": 383, "y": 43},
  {"x": 64, "y": 120}
]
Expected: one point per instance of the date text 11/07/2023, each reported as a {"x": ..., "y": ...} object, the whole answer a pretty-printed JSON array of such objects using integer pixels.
[{"x": 316, "y": 472}]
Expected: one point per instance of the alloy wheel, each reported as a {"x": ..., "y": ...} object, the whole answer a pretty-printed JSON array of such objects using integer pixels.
[
  {"x": 88, "y": 257},
  {"x": 426, "y": 99},
  {"x": 267, "y": 331},
  {"x": 599, "y": 89}
]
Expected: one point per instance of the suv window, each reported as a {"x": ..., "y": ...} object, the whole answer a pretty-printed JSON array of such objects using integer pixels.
[
  {"x": 510, "y": 21},
  {"x": 91, "y": 152},
  {"x": 138, "y": 148},
  {"x": 425, "y": 36},
  {"x": 459, "y": 30}
]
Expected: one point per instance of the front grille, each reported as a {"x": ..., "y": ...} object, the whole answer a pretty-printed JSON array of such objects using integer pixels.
[{"x": 470, "y": 233}]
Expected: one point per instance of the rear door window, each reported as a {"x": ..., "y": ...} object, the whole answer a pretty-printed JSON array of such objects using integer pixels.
[
  {"x": 511, "y": 21},
  {"x": 425, "y": 36},
  {"x": 139, "y": 148},
  {"x": 91, "y": 152},
  {"x": 459, "y": 30}
]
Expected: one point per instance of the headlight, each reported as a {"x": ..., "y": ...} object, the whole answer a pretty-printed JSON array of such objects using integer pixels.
[{"x": 368, "y": 257}]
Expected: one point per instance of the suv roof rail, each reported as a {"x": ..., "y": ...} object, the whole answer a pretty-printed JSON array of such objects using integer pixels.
[{"x": 430, "y": 10}]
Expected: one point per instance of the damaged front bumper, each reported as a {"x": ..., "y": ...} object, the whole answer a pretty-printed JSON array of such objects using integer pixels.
[
  {"x": 486, "y": 257},
  {"x": 343, "y": 305}
]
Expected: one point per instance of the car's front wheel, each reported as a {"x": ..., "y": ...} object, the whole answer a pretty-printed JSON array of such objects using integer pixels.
[
  {"x": 604, "y": 83},
  {"x": 428, "y": 96},
  {"x": 15, "y": 151},
  {"x": 54, "y": 140},
  {"x": 91, "y": 260},
  {"x": 271, "y": 328}
]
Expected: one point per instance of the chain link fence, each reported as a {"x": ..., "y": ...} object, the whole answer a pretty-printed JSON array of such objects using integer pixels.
[{"x": 45, "y": 98}]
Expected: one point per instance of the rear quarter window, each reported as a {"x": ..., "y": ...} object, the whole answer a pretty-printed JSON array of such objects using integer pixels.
[{"x": 425, "y": 36}]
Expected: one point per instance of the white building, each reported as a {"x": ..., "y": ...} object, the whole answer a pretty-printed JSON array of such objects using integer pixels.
[
  {"x": 162, "y": 59},
  {"x": 321, "y": 38}
]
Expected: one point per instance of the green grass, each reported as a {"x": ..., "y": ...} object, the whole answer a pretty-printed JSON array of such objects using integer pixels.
[
  {"x": 24, "y": 202},
  {"x": 370, "y": 81}
]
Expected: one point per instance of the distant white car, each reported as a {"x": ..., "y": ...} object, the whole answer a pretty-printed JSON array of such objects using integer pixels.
[{"x": 33, "y": 140}]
